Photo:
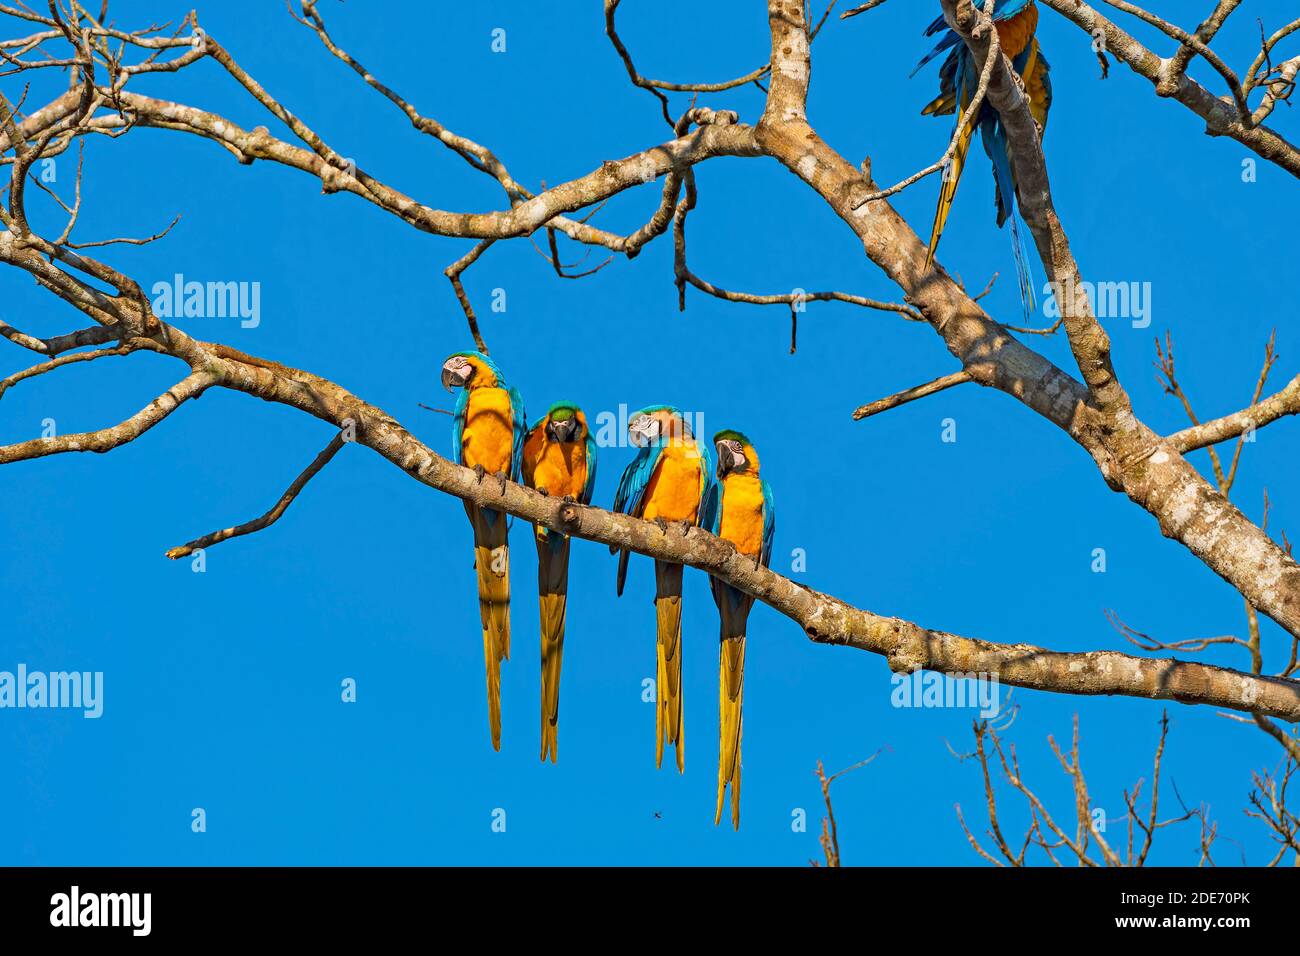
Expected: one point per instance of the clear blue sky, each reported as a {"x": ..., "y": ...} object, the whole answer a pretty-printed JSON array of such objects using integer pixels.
[{"x": 223, "y": 688}]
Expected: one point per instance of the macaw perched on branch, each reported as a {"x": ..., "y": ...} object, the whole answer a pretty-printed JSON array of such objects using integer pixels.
[
  {"x": 738, "y": 509},
  {"x": 559, "y": 459},
  {"x": 667, "y": 481},
  {"x": 487, "y": 434},
  {"x": 1016, "y": 22}
]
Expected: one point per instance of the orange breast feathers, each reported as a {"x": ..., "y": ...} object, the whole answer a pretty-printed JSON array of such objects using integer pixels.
[
  {"x": 673, "y": 492},
  {"x": 1014, "y": 34},
  {"x": 559, "y": 468},
  {"x": 742, "y": 513},
  {"x": 488, "y": 437}
]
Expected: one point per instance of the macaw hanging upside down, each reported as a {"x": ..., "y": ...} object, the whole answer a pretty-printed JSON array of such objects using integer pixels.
[{"x": 1017, "y": 23}]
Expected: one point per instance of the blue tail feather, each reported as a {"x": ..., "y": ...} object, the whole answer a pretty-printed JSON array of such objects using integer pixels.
[
  {"x": 1023, "y": 274},
  {"x": 995, "y": 144},
  {"x": 947, "y": 43}
]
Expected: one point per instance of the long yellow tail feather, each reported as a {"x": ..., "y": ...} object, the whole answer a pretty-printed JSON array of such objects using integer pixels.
[
  {"x": 731, "y": 691},
  {"x": 952, "y": 177},
  {"x": 668, "y": 684},
  {"x": 942, "y": 105}
]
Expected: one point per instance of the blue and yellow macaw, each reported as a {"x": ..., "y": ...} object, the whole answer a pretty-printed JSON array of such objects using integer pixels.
[
  {"x": 738, "y": 509},
  {"x": 559, "y": 459},
  {"x": 667, "y": 482},
  {"x": 487, "y": 434},
  {"x": 1017, "y": 21}
]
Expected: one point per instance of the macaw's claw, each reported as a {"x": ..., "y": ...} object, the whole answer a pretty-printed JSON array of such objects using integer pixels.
[
  {"x": 480, "y": 471},
  {"x": 501, "y": 477},
  {"x": 686, "y": 528},
  {"x": 541, "y": 490},
  {"x": 662, "y": 523},
  {"x": 570, "y": 500}
]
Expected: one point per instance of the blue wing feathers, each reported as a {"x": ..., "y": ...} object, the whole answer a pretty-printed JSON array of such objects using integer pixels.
[
  {"x": 632, "y": 486},
  {"x": 710, "y": 482},
  {"x": 769, "y": 525},
  {"x": 711, "y": 508},
  {"x": 520, "y": 421},
  {"x": 627, "y": 499},
  {"x": 1004, "y": 11},
  {"x": 946, "y": 43},
  {"x": 939, "y": 24},
  {"x": 458, "y": 426},
  {"x": 589, "y": 486}
]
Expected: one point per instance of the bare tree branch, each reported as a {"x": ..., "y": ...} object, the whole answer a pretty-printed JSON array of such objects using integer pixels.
[
  {"x": 1221, "y": 119},
  {"x": 106, "y": 439},
  {"x": 1087, "y": 831},
  {"x": 59, "y": 362},
  {"x": 1095, "y": 413},
  {"x": 830, "y": 838},
  {"x": 1280, "y": 404},
  {"x": 911, "y": 395},
  {"x": 95, "y": 335},
  {"x": 271, "y": 516},
  {"x": 1204, "y": 33}
]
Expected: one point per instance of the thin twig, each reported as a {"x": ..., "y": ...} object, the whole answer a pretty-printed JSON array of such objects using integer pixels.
[{"x": 271, "y": 516}]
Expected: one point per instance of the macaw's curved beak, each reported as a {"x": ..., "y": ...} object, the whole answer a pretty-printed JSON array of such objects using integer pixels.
[
  {"x": 456, "y": 372},
  {"x": 641, "y": 430},
  {"x": 730, "y": 457},
  {"x": 564, "y": 431}
]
